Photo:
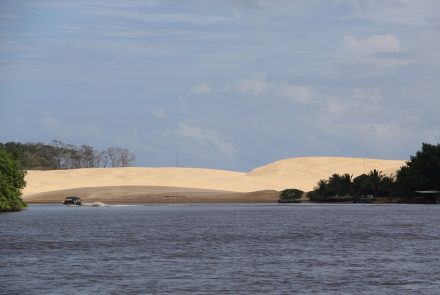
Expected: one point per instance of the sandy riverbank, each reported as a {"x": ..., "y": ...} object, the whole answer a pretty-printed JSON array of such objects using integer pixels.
[
  {"x": 192, "y": 185},
  {"x": 154, "y": 195}
]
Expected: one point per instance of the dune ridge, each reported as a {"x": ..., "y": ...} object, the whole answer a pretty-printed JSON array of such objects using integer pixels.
[{"x": 165, "y": 182}]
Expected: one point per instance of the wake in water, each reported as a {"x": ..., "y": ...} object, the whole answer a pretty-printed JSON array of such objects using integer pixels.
[
  {"x": 100, "y": 204},
  {"x": 96, "y": 204}
]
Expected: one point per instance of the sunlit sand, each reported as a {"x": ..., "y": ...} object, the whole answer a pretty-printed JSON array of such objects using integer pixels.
[{"x": 186, "y": 185}]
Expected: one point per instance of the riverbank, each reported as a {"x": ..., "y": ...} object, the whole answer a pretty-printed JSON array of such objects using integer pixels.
[
  {"x": 153, "y": 195},
  {"x": 301, "y": 173},
  {"x": 192, "y": 185}
]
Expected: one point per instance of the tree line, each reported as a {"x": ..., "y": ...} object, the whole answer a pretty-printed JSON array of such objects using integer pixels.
[
  {"x": 341, "y": 187},
  {"x": 60, "y": 155},
  {"x": 421, "y": 173}
]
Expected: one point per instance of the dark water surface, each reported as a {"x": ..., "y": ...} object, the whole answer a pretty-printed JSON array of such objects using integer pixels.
[{"x": 221, "y": 249}]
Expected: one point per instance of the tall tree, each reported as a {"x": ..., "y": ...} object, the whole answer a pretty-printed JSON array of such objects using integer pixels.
[
  {"x": 422, "y": 172},
  {"x": 339, "y": 184},
  {"x": 11, "y": 183}
]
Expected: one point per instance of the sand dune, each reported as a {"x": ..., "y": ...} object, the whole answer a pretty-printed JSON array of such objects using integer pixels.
[
  {"x": 144, "y": 184},
  {"x": 304, "y": 173}
]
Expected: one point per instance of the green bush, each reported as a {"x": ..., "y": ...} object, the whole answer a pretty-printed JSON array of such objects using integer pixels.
[
  {"x": 11, "y": 183},
  {"x": 290, "y": 195}
]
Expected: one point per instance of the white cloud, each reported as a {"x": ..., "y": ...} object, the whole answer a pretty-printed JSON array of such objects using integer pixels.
[
  {"x": 351, "y": 104},
  {"x": 296, "y": 93},
  {"x": 380, "y": 50},
  {"x": 57, "y": 126},
  {"x": 201, "y": 88},
  {"x": 258, "y": 85},
  {"x": 255, "y": 85},
  {"x": 162, "y": 18},
  {"x": 373, "y": 44},
  {"x": 409, "y": 13},
  {"x": 206, "y": 138},
  {"x": 259, "y": 3},
  {"x": 158, "y": 112},
  {"x": 126, "y": 4},
  {"x": 384, "y": 137}
]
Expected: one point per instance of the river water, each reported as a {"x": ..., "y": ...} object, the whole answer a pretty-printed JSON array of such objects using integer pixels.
[{"x": 221, "y": 249}]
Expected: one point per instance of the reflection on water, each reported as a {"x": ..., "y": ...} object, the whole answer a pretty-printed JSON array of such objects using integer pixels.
[{"x": 232, "y": 249}]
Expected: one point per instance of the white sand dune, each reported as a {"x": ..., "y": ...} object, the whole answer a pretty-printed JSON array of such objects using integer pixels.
[{"x": 302, "y": 173}]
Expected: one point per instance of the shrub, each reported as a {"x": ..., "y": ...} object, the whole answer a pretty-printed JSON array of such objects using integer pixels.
[{"x": 290, "y": 195}]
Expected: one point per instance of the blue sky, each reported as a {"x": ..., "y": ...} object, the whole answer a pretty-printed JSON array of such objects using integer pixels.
[{"x": 228, "y": 84}]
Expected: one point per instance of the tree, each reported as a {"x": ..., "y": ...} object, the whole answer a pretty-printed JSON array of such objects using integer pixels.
[
  {"x": 321, "y": 187},
  {"x": 374, "y": 183},
  {"x": 339, "y": 185},
  {"x": 361, "y": 185},
  {"x": 118, "y": 157},
  {"x": 87, "y": 156},
  {"x": 59, "y": 155},
  {"x": 125, "y": 157},
  {"x": 422, "y": 172},
  {"x": 386, "y": 186},
  {"x": 11, "y": 183},
  {"x": 336, "y": 189}
]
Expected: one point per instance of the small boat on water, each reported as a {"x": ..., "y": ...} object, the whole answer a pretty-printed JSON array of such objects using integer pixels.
[
  {"x": 363, "y": 199},
  {"x": 72, "y": 200}
]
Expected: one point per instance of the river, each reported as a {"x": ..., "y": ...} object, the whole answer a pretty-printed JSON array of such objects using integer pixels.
[{"x": 221, "y": 249}]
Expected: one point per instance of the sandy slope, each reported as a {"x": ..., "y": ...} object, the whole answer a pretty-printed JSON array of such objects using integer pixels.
[
  {"x": 142, "y": 184},
  {"x": 304, "y": 173},
  {"x": 153, "y": 195}
]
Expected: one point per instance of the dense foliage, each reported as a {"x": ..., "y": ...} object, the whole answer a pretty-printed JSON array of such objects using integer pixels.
[
  {"x": 11, "y": 183},
  {"x": 343, "y": 187},
  {"x": 421, "y": 173},
  {"x": 59, "y": 155},
  {"x": 290, "y": 195}
]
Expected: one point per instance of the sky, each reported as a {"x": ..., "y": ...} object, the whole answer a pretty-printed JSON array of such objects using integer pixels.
[{"x": 226, "y": 84}]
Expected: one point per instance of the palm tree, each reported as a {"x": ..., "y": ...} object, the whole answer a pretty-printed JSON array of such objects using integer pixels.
[
  {"x": 321, "y": 187},
  {"x": 340, "y": 184},
  {"x": 375, "y": 179}
]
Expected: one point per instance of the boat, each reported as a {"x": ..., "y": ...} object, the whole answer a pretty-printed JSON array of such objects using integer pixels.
[
  {"x": 363, "y": 199},
  {"x": 72, "y": 200}
]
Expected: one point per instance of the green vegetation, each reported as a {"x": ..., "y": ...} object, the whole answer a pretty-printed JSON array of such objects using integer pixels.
[
  {"x": 290, "y": 196},
  {"x": 342, "y": 188},
  {"x": 421, "y": 173},
  {"x": 59, "y": 155},
  {"x": 11, "y": 183}
]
